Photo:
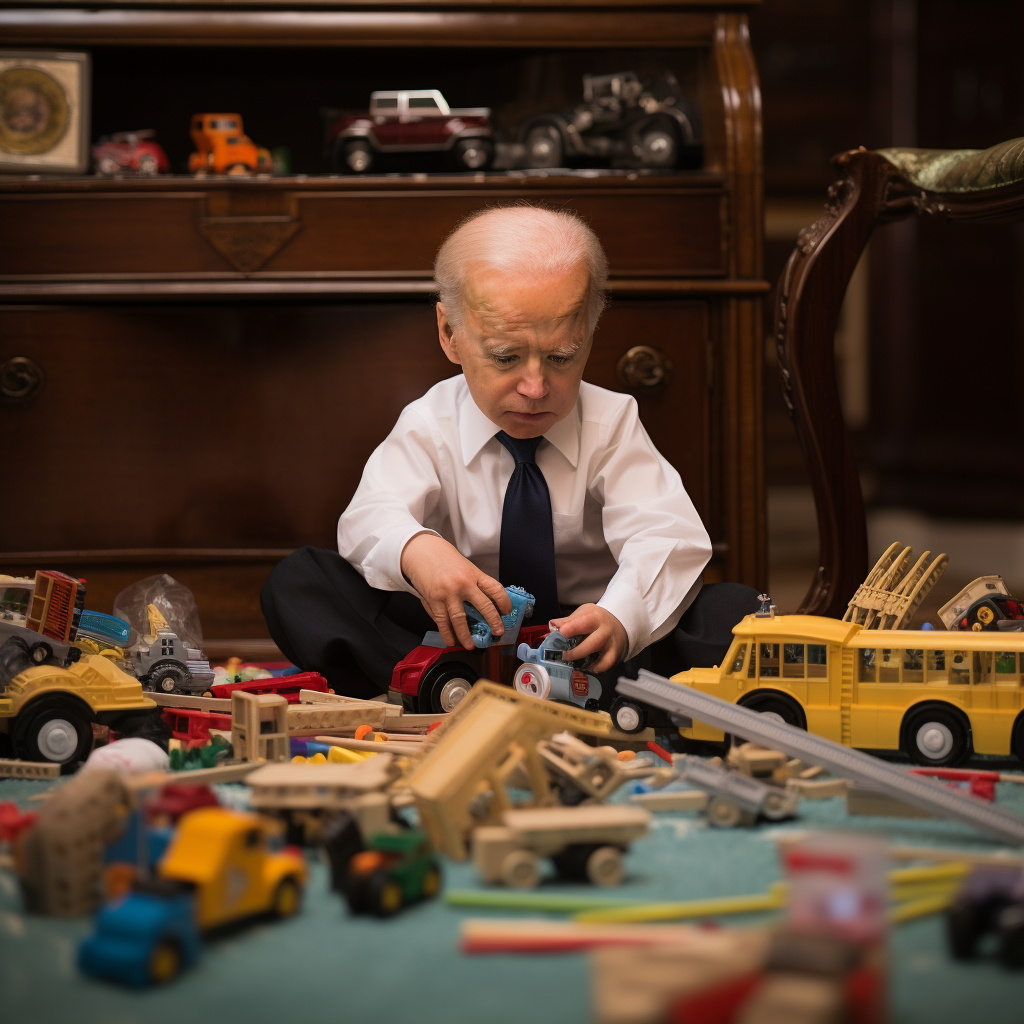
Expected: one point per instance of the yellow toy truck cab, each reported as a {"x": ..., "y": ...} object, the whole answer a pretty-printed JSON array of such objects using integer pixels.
[
  {"x": 936, "y": 695},
  {"x": 224, "y": 855},
  {"x": 47, "y": 711},
  {"x": 223, "y": 148}
]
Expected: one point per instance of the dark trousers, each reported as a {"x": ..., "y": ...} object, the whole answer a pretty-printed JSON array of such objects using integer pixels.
[{"x": 326, "y": 618}]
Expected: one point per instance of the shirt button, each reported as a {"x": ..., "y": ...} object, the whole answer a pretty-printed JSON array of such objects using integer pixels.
[{"x": 391, "y": 582}]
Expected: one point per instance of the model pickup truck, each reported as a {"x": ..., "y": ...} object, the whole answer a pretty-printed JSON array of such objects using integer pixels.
[{"x": 410, "y": 121}]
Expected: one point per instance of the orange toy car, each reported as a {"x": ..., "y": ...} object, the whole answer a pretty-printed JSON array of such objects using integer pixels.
[{"x": 223, "y": 148}]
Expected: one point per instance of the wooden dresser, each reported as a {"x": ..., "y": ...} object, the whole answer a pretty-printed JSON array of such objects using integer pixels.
[{"x": 194, "y": 371}]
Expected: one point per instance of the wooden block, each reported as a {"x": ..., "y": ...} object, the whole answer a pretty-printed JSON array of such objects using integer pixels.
[
  {"x": 388, "y": 746},
  {"x": 818, "y": 789},
  {"x": 180, "y": 700},
  {"x": 11, "y": 769},
  {"x": 863, "y": 801},
  {"x": 311, "y": 719},
  {"x": 682, "y": 800},
  {"x": 234, "y": 772}
]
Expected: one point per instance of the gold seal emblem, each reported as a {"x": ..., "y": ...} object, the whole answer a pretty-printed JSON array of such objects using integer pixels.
[{"x": 33, "y": 111}]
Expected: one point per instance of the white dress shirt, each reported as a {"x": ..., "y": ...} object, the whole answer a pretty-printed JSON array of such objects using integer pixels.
[{"x": 627, "y": 536}]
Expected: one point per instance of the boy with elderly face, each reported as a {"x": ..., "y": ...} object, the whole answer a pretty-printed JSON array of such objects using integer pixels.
[{"x": 513, "y": 472}]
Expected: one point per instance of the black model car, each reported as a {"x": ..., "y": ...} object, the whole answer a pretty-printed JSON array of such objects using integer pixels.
[{"x": 622, "y": 122}]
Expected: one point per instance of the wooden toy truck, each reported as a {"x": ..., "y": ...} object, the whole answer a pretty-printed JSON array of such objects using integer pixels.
[{"x": 583, "y": 842}]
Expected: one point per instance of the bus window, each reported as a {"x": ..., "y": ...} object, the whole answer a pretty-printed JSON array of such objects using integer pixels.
[
  {"x": 737, "y": 665},
  {"x": 935, "y": 666},
  {"x": 793, "y": 661},
  {"x": 866, "y": 664},
  {"x": 889, "y": 666},
  {"x": 1006, "y": 665},
  {"x": 983, "y": 667},
  {"x": 913, "y": 666},
  {"x": 959, "y": 668},
  {"x": 817, "y": 664},
  {"x": 768, "y": 655}
]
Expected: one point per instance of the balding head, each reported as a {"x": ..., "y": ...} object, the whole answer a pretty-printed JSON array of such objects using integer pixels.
[{"x": 520, "y": 241}]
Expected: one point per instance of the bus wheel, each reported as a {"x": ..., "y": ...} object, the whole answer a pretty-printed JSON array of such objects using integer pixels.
[
  {"x": 1017, "y": 741},
  {"x": 776, "y": 707},
  {"x": 937, "y": 737}
]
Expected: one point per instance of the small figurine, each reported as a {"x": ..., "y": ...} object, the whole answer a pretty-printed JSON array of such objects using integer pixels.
[
  {"x": 132, "y": 152},
  {"x": 622, "y": 122},
  {"x": 223, "y": 148},
  {"x": 417, "y": 121}
]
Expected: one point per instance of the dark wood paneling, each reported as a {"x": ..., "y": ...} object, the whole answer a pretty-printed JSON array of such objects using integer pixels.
[{"x": 653, "y": 232}]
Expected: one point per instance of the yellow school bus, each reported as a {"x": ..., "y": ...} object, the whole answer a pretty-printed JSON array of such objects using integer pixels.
[{"x": 938, "y": 696}]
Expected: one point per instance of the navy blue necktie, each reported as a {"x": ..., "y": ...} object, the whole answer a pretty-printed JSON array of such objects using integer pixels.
[{"x": 526, "y": 557}]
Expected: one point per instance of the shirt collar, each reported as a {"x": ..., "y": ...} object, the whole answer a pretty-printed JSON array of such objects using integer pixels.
[{"x": 475, "y": 430}]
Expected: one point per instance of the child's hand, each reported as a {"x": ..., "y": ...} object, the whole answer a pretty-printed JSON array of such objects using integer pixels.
[
  {"x": 604, "y": 633},
  {"x": 444, "y": 579}
]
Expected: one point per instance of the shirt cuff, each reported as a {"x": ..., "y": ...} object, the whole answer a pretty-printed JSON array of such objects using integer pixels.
[
  {"x": 627, "y": 605},
  {"x": 387, "y": 573}
]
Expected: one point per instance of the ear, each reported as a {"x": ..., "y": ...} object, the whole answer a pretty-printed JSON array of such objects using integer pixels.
[{"x": 446, "y": 335}]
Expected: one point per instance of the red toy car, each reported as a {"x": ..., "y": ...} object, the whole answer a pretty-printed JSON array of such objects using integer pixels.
[
  {"x": 410, "y": 121},
  {"x": 129, "y": 151}
]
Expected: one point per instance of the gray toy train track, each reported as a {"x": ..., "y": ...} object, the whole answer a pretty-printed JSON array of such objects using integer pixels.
[{"x": 922, "y": 792}]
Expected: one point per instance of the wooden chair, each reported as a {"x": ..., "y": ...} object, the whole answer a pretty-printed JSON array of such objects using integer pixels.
[{"x": 875, "y": 188}]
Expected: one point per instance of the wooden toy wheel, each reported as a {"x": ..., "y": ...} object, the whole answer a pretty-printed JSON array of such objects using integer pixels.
[
  {"x": 605, "y": 867},
  {"x": 521, "y": 870},
  {"x": 164, "y": 962},
  {"x": 385, "y": 895},
  {"x": 724, "y": 813},
  {"x": 286, "y": 898},
  {"x": 431, "y": 883}
]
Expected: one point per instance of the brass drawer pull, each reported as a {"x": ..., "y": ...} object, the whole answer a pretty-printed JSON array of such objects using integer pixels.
[
  {"x": 21, "y": 379},
  {"x": 644, "y": 368}
]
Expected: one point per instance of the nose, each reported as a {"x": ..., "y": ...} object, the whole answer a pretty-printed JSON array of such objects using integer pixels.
[{"x": 532, "y": 384}]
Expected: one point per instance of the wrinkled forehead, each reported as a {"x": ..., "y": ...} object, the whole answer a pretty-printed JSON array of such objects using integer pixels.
[{"x": 513, "y": 301}]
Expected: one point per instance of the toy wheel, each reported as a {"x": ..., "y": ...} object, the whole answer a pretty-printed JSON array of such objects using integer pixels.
[
  {"x": 40, "y": 652},
  {"x": 532, "y": 680},
  {"x": 724, "y": 813},
  {"x": 659, "y": 146},
  {"x": 168, "y": 677},
  {"x": 445, "y": 687},
  {"x": 1017, "y": 740},
  {"x": 237, "y": 170},
  {"x": 287, "y": 898},
  {"x": 775, "y": 806},
  {"x": 937, "y": 737},
  {"x": 147, "y": 164},
  {"x": 356, "y": 156},
  {"x": 776, "y": 707},
  {"x": 384, "y": 895},
  {"x": 965, "y": 924},
  {"x": 107, "y": 165},
  {"x": 53, "y": 728},
  {"x": 605, "y": 867},
  {"x": 521, "y": 870},
  {"x": 164, "y": 962},
  {"x": 1010, "y": 924},
  {"x": 431, "y": 883},
  {"x": 544, "y": 146},
  {"x": 628, "y": 715},
  {"x": 473, "y": 153}
]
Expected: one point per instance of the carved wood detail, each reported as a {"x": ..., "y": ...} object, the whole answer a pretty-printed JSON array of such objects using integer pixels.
[
  {"x": 870, "y": 191},
  {"x": 246, "y": 233}
]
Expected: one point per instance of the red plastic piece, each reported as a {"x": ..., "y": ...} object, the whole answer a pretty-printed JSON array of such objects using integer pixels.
[
  {"x": 979, "y": 784},
  {"x": 14, "y": 821},
  {"x": 285, "y": 686},
  {"x": 717, "y": 1004},
  {"x": 179, "y": 798},
  {"x": 656, "y": 748},
  {"x": 192, "y": 726}
]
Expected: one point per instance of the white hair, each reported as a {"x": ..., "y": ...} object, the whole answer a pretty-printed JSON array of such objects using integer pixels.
[{"x": 515, "y": 239}]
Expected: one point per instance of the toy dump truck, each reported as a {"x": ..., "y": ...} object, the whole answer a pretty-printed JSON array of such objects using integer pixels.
[
  {"x": 585, "y": 844},
  {"x": 736, "y": 798},
  {"x": 48, "y": 711},
  {"x": 218, "y": 870},
  {"x": 163, "y": 661}
]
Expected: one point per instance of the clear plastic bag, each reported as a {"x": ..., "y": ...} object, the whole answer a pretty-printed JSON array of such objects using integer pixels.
[{"x": 172, "y": 599}]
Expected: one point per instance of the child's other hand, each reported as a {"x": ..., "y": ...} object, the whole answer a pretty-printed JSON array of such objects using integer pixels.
[
  {"x": 604, "y": 633},
  {"x": 444, "y": 579}
]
